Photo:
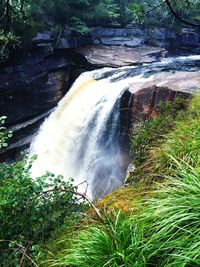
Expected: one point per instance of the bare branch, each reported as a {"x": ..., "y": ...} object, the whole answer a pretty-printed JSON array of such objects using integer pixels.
[
  {"x": 23, "y": 257},
  {"x": 29, "y": 258},
  {"x": 21, "y": 249},
  {"x": 155, "y": 7},
  {"x": 83, "y": 196}
]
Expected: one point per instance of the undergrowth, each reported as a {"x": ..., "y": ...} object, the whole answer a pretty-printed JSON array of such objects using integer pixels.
[
  {"x": 31, "y": 210},
  {"x": 169, "y": 134},
  {"x": 150, "y": 132},
  {"x": 116, "y": 241},
  {"x": 182, "y": 143},
  {"x": 172, "y": 220}
]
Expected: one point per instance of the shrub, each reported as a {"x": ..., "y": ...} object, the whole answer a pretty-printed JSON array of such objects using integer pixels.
[
  {"x": 4, "y": 134},
  {"x": 30, "y": 210}
]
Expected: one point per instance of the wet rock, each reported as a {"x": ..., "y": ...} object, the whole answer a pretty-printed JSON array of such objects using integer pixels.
[
  {"x": 66, "y": 39},
  {"x": 43, "y": 37},
  {"x": 121, "y": 37},
  {"x": 189, "y": 39},
  {"x": 123, "y": 41},
  {"x": 23, "y": 134},
  {"x": 116, "y": 32},
  {"x": 130, "y": 170}
]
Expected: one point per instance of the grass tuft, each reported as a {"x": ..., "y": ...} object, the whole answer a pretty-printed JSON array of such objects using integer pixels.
[
  {"x": 115, "y": 242},
  {"x": 173, "y": 220}
]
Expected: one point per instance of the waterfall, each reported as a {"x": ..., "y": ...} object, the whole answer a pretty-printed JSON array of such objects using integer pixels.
[{"x": 80, "y": 138}]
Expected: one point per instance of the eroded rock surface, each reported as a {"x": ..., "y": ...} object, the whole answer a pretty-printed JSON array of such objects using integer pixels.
[
  {"x": 146, "y": 96},
  {"x": 32, "y": 85},
  {"x": 115, "y": 56}
]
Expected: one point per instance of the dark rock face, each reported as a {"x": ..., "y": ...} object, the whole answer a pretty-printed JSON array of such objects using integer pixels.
[
  {"x": 33, "y": 82},
  {"x": 185, "y": 40},
  {"x": 65, "y": 40},
  {"x": 144, "y": 103},
  {"x": 23, "y": 134},
  {"x": 124, "y": 37},
  {"x": 32, "y": 85},
  {"x": 65, "y": 43},
  {"x": 189, "y": 38}
]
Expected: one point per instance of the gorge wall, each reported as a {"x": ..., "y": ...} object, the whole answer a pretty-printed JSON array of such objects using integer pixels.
[{"x": 32, "y": 82}]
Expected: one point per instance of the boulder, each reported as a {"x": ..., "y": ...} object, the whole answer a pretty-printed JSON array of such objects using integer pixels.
[
  {"x": 43, "y": 37},
  {"x": 123, "y": 41},
  {"x": 64, "y": 40},
  {"x": 189, "y": 39}
]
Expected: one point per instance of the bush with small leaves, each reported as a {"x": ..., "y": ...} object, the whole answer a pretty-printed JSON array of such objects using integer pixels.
[
  {"x": 4, "y": 134},
  {"x": 31, "y": 210}
]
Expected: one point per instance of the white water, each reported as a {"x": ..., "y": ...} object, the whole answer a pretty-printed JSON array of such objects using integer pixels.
[{"x": 80, "y": 138}]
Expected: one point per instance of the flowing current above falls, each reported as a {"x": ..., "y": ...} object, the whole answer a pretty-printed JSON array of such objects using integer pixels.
[{"x": 80, "y": 138}]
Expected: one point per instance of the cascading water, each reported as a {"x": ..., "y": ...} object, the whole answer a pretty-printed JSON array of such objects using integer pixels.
[{"x": 80, "y": 138}]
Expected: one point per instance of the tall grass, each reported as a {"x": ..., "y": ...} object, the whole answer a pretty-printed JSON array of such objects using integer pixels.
[
  {"x": 182, "y": 143},
  {"x": 116, "y": 242},
  {"x": 172, "y": 220}
]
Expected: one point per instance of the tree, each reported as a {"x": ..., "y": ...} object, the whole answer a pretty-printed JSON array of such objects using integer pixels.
[
  {"x": 187, "y": 4},
  {"x": 184, "y": 11}
]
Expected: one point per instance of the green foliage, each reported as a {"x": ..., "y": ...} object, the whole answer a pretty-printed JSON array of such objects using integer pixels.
[
  {"x": 106, "y": 11},
  {"x": 172, "y": 220},
  {"x": 79, "y": 26},
  {"x": 183, "y": 143},
  {"x": 115, "y": 242},
  {"x": 165, "y": 232},
  {"x": 31, "y": 210},
  {"x": 147, "y": 134},
  {"x": 137, "y": 11},
  {"x": 20, "y": 20},
  {"x": 4, "y": 134}
]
